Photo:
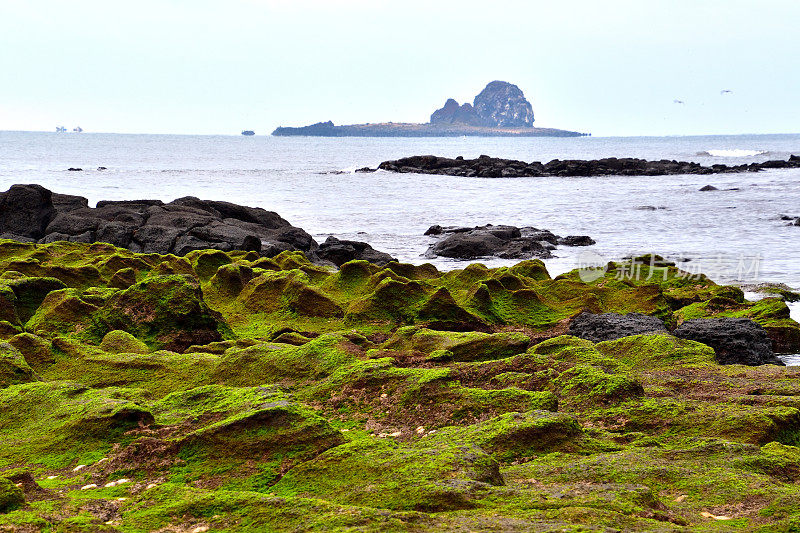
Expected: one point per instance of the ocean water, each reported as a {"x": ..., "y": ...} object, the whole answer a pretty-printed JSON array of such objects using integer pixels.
[{"x": 728, "y": 234}]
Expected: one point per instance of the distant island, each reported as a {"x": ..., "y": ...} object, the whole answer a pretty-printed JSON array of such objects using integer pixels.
[{"x": 499, "y": 110}]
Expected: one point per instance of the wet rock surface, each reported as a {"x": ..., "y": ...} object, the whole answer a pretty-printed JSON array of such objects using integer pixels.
[
  {"x": 493, "y": 167},
  {"x": 735, "y": 340},
  {"x": 339, "y": 251},
  {"x": 31, "y": 213},
  {"x": 505, "y": 242}
]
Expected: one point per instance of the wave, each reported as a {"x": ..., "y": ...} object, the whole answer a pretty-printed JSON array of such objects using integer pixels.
[{"x": 737, "y": 152}]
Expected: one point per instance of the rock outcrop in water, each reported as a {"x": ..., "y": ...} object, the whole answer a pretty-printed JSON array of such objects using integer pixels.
[
  {"x": 494, "y": 167},
  {"x": 505, "y": 242},
  {"x": 499, "y": 105},
  {"x": 500, "y": 109},
  {"x": 33, "y": 213}
]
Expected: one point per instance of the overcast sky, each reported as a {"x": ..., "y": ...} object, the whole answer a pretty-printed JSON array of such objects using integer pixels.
[{"x": 201, "y": 66}]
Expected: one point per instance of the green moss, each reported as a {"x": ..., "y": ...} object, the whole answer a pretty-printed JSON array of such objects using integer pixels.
[
  {"x": 11, "y": 496},
  {"x": 59, "y": 422},
  {"x": 13, "y": 367},
  {"x": 387, "y": 475},
  {"x": 117, "y": 341},
  {"x": 592, "y": 384},
  {"x": 657, "y": 351},
  {"x": 516, "y": 435}
]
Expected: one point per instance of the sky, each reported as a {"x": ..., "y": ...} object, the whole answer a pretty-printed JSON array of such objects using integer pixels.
[{"x": 614, "y": 67}]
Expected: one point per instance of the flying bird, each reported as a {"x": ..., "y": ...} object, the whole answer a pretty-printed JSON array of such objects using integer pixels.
[
  {"x": 678, "y": 102},
  {"x": 726, "y": 91}
]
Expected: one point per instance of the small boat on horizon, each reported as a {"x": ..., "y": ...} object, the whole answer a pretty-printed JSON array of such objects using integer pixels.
[
  {"x": 77, "y": 129},
  {"x": 248, "y": 133},
  {"x": 60, "y": 129}
]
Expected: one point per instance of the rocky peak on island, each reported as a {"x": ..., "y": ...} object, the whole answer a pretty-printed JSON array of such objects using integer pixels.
[
  {"x": 504, "y": 105},
  {"x": 500, "y": 104}
]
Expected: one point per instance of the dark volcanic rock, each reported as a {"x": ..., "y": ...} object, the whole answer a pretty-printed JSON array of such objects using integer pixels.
[
  {"x": 506, "y": 242},
  {"x": 33, "y": 213},
  {"x": 504, "y": 105},
  {"x": 25, "y": 210},
  {"x": 576, "y": 240},
  {"x": 735, "y": 340},
  {"x": 708, "y": 188},
  {"x": 492, "y": 167},
  {"x": 610, "y": 326},
  {"x": 340, "y": 252}
]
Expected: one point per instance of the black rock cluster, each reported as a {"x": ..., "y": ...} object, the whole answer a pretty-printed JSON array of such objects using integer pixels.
[
  {"x": 32, "y": 213},
  {"x": 505, "y": 242},
  {"x": 493, "y": 167}
]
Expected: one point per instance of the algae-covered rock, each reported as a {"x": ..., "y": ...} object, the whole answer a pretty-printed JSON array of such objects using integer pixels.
[
  {"x": 65, "y": 312},
  {"x": 515, "y": 435},
  {"x": 13, "y": 367},
  {"x": 466, "y": 346},
  {"x": 37, "y": 351},
  {"x": 31, "y": 292},
  {"x": 589, "y": 383},
  {"x": 287, "y": 291},
  {"x": 8, "y": 306},
  {"x": 654, "y": 351},
  {"x": 167, "y": 312},
  {"x": 64, "y": 419},
  {"x": 118, "y": 341},
  {"x": 123, "y": 278},
  {"x": 387, "y": 475},
  {"x": 11, "y": 496}
]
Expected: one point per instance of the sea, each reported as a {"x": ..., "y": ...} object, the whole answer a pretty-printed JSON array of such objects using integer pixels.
[{"x": 734, "y": 235}]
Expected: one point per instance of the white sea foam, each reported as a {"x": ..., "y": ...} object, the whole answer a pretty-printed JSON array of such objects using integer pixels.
[{"x": 737, "y": 152}]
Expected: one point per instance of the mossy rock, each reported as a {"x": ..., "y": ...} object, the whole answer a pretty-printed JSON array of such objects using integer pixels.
[
  {"x": 11, "y": 496},
  {"x": 587, "y": 383},
  {"x": 207, "y": 262},
  {"x": 31, "y": 292},
  {"x": 229, "y": 279},
  {"x": 65, "y": 312},
  {"x": 258, "y": 422},
  {"x": 166, "y": 312},
  {"x": 645, "y": 352},
  {"x": 441, "y": 311},
  {"x": 13, "y": 367},
  {"x": 38, "y": 352},
  {"x": 391, "y": 301},
  {"x": 8, "y": 306},
  {"x": 64, "y": 420},
  {"x": 122, "y": 278},
  {"x": 516, "y": 435},
  {"x": 288, "y": 292},
  {"x": 466, "y": 346},
  {"x": 387, "y": 475},
  {"x": 118, "y": 341}
]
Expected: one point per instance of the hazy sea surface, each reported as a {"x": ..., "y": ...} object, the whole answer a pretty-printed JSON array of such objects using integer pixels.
[{"x": 728, "y": 234}]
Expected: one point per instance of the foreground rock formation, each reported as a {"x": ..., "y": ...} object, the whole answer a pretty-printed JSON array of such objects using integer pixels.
[
  {"x": 34, "y": 214},
  {"x": 499, "y": 110},
  {"x": 227, "y": 390},
  {"x": 493, "y": 167}
]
